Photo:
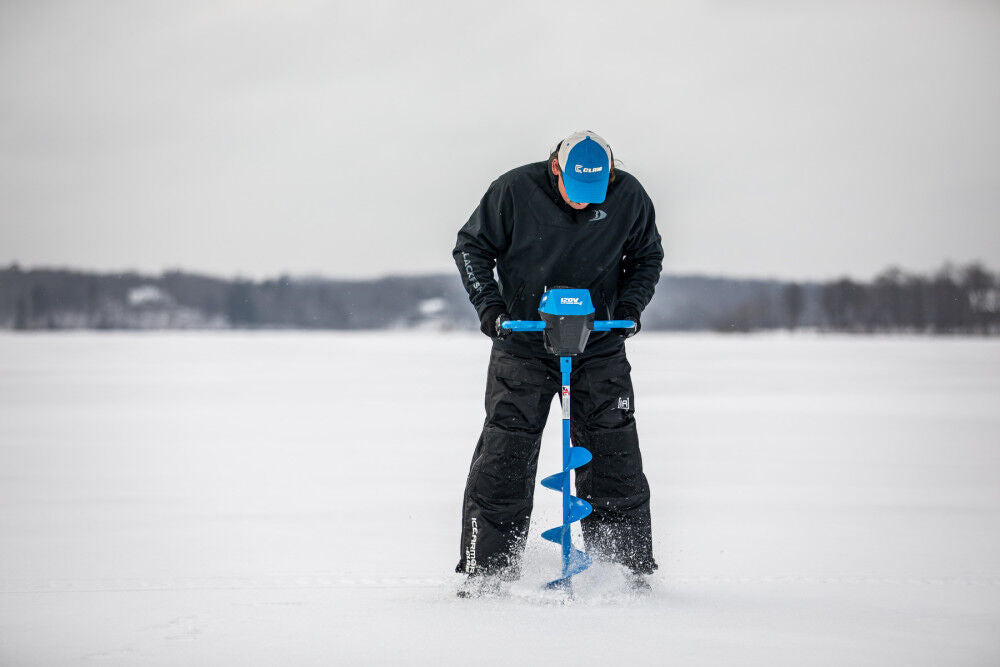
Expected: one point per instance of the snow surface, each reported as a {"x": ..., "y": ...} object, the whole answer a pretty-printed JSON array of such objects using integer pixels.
[{"x": 293, "y": 499}]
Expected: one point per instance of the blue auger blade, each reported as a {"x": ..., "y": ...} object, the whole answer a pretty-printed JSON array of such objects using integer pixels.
[
  {"x": 578, "y": 508},
  {"x": 579, "y": 456},
  {"x": 560, "y": 584},
  {"x": 554, "y": 534},
  {"x": 554, "y": 482},
  {"x": 574, "y": 509},
  {"x": 578, "y": 562}
]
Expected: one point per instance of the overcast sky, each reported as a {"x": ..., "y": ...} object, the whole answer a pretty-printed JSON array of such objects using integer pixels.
[{"x": 781, "y": 139}]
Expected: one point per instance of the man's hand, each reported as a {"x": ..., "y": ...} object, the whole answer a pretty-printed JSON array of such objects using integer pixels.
[
  {"x": 627, "y": 313},
  {"x": 490, "y": 323}
]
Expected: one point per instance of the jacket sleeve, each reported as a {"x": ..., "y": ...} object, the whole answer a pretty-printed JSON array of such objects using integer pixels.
[
  {"x": 480, "y": 241},
  {"x": 643, "y": 258}
]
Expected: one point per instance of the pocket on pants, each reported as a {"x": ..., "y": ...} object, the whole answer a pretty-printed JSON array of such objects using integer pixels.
[
  {"x": 608, "y": 401},
  {"x": 518, "y": 394}
]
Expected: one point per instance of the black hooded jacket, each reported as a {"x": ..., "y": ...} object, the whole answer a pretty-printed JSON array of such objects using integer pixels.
[{"x": 536, "y": 241}]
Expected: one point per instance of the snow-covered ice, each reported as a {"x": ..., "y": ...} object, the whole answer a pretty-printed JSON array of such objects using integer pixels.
[{"x": 293, "y": 499}]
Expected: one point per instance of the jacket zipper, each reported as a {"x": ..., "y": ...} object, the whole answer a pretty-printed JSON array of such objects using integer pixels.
[
  {"x": 607, "y": 305},
  {"x": 517, "y": 295}
]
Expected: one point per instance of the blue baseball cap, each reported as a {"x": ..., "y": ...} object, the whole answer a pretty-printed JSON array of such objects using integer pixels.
[{"x": 585, "y": 160}]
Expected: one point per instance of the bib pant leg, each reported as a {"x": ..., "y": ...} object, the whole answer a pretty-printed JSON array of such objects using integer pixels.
[
  {"x": 499, "y": 492},
  {"x": 602, "y": 410}
]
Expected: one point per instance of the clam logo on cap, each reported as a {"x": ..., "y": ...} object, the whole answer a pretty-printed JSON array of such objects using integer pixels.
[{"x": 585, "y": 160}]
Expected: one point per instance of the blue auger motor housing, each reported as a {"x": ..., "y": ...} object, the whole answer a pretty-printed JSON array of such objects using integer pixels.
[{"x": 569, "y": 318}]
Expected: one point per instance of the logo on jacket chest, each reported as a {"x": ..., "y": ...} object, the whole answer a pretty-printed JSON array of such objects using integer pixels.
[{"x": 598, "y": 215}]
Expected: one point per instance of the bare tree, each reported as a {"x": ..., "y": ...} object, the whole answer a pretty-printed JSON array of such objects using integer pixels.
[{"x": 794, "y": 303}]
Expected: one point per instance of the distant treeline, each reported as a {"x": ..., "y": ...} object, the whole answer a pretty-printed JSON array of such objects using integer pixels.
[{"x": 951, "y": 300}]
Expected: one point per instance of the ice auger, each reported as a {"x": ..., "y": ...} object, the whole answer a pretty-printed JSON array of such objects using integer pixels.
[{"x": 567, "y": 320}]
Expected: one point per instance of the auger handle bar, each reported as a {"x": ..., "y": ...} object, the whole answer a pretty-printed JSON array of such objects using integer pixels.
[{"x": 538, "y": 325}]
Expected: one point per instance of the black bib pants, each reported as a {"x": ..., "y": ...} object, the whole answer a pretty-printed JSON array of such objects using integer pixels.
[{"x": 501, "y": 483}]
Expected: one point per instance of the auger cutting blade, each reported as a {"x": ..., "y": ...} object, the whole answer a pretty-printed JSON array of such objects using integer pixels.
[
  {"x": 554, "y": 482},
  {"x": 578, "y": 508},
  {"x": 579, "y": 456},
  {"x": 554, "y": 534},
  {"x": 578, "y": 562}
]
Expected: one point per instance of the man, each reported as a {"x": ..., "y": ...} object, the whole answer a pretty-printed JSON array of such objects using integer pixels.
[{"x": 574, "y": 221}]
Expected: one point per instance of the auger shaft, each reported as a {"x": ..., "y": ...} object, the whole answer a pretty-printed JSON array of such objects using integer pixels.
[
  {"x": 573, "y": 561},
  {"x": 566, "y": 366}
]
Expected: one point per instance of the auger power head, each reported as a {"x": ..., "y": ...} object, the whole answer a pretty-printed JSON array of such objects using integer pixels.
[{"x": 569, "y": 318}]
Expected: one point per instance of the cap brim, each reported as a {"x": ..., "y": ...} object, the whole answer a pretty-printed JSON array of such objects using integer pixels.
[{"x": 581, "y": 192}]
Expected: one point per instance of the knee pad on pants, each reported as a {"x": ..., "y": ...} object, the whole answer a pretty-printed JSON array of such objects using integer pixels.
[
  {"x": 613, "y": 480},
  {"x": 505, "y": 467}
]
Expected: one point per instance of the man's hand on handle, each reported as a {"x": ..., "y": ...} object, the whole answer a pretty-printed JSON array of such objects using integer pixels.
[
  {"x": 627, "y": 313},
  {"x": 491, "y": 320}
]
